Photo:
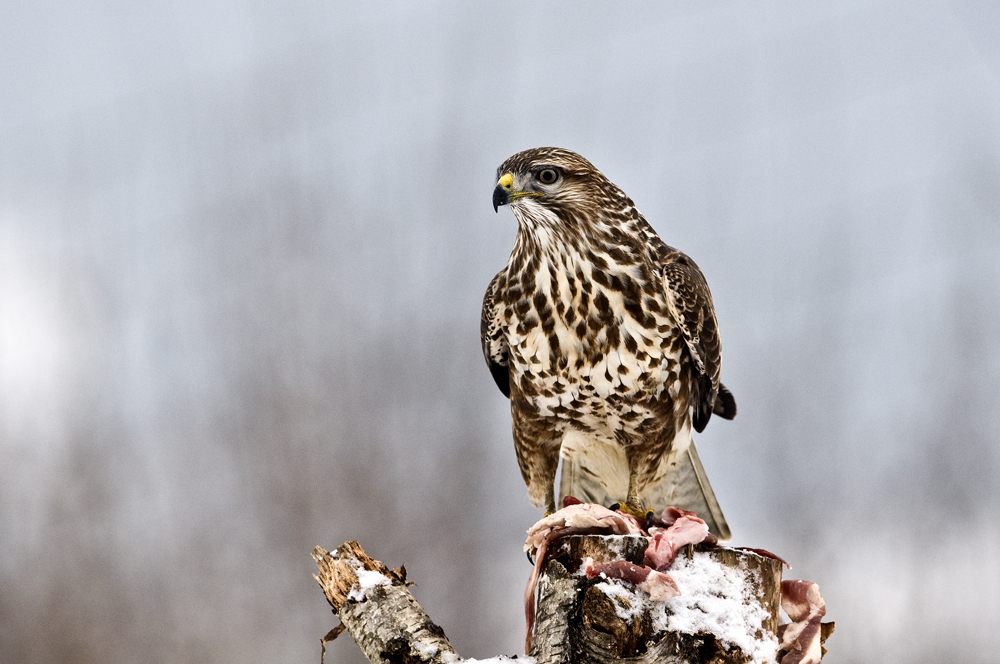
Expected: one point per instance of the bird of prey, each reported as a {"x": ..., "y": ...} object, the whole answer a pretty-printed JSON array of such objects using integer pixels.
[{"x": 605, "y": 341}]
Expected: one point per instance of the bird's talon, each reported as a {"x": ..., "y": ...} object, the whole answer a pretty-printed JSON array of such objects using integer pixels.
[
  {"x": 650, "y": 518},
  {"x": 641, "y": 514}
]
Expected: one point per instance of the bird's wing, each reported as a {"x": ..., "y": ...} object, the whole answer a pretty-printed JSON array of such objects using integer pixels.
[
  {"x": 491, "y": 334},
  {"x": 690, "y": 304}
]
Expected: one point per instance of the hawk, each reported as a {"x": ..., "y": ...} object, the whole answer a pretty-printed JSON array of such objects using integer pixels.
[{"x": 605, "y": 341}]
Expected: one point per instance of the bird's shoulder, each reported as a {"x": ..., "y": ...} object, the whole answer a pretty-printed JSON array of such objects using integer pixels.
[{"x": 689, "y": 302}]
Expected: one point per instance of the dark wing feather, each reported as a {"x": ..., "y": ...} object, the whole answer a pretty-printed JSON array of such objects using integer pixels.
[
  {"x": 725, "y": 404},
  {"x": 690, "y": 303},
  {"x": 491, "y": 334}
]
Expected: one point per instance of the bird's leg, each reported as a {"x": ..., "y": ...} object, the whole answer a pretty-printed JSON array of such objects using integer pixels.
[
  {"x": 550, "y": 496},
  {"x": 632, "y": 505},
  {"x": 550, "y": 508},
  {"x": 632, "y": 500}
]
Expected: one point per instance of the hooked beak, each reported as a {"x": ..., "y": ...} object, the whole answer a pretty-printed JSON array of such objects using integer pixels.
[{"x": 503, "y": 193}]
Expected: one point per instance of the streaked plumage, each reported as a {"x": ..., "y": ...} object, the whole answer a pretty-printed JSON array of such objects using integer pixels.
[{"x": 604, "y": 339}]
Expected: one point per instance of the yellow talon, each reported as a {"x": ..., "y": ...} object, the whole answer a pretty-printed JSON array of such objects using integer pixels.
[{"x": 636, "y": 509}]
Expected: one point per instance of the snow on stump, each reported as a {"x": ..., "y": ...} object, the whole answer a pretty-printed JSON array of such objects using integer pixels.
[
  {"x": 721, "y": 607},
  {"x": 374, "y": 605},
  {"x": 726, "y": 612}
]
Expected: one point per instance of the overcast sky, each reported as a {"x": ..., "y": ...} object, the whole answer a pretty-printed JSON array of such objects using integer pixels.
[{"x": 243, "y": 248}]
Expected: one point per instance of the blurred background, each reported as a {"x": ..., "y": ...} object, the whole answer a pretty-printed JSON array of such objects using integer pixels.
[{"x": 243, "y": 248}]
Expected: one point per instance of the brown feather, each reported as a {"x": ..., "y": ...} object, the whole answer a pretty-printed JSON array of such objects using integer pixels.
[{"x": 600, "y": 328}]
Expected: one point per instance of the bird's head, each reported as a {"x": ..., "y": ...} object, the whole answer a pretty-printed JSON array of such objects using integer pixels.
[{"x": 552, "y": 178}]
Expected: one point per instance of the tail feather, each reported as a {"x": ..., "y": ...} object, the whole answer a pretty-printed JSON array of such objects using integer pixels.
[
  {"x": 597, "y": 472},
  {"x": 687, "y": 487}
]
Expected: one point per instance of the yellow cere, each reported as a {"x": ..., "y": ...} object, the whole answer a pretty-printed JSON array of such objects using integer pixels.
[{"x": 507, "y": 181}]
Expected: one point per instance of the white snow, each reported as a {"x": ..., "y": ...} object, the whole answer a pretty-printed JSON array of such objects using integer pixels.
[
  {"x": 367, "y": 579},
  {"x": 635, "y": 600},
  {"x": 617, "y": 544},
  {"x": 716, "y": 599},
  {"x": 712, "y": 601},
  {"x": 428, "y": 650}
]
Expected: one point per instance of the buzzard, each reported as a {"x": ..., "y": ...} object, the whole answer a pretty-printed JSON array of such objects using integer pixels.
[{"x": 605, "y": 341}]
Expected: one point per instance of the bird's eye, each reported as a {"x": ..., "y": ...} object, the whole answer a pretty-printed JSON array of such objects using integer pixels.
[{"x": 547, "y": 175}]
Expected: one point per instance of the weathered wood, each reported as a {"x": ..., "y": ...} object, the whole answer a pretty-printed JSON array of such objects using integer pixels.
[
  {"x": 558, "y": 611},
  {"x": 577, "y": 621},
  {"x": 572, "y": 550},
  {"x": 592, "y": 626},
  {"x": 386, "y": 621}
]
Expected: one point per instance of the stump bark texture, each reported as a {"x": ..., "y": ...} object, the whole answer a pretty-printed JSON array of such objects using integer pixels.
[
  {"x": 385, "y": 620},
  {"x": 579, "y": 620}
]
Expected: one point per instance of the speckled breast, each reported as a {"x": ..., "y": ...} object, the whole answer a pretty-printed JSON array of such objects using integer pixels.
[{"x": 580, "y": 355}]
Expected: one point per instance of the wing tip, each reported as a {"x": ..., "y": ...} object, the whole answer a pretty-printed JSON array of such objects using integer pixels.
[
  {"x": 725, "y": 404},
  {"x": 501, "y": 376},
  {"x": 699, "y": 419}
]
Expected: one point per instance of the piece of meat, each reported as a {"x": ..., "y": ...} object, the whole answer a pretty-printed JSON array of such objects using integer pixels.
[
  {"x": 671, "y": 514},
  {"x": 657, "y": 585},
  {"x": 801, "y": 637},
  {"x": 529, "y": 591},
  {"x": 571, "y": 500},
  {"x": 665, "y": 543},
  {"x": 584, "y": 515},
  {"x": 574, "y": 519}
]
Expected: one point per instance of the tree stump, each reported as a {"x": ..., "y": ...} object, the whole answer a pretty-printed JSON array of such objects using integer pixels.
[{"x": 727, "y": 612}]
